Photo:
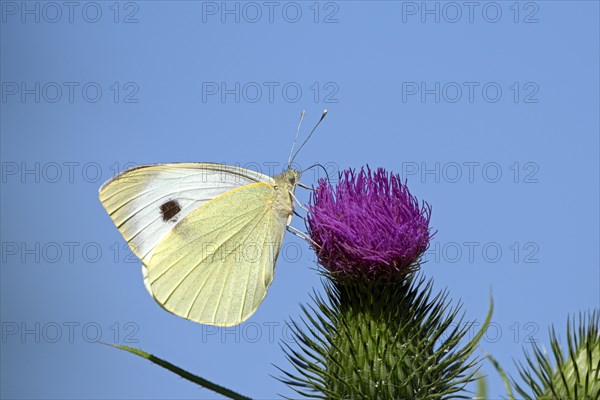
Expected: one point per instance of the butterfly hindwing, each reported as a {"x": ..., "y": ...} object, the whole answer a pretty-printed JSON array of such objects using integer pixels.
[{"x": 216, "y": 264}]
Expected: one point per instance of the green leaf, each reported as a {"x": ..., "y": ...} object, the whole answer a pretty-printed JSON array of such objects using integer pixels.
[
  {"x": 482, "y": 390},
  {"x": 181, "y": 372},
  {"x": 503, "y": 375}
]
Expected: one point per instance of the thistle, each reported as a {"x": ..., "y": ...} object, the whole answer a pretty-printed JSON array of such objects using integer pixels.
[
  {"x": 378, "y": 331},
  {"x": 571, "y": 373},
  {"x": 368, "y": 227}
]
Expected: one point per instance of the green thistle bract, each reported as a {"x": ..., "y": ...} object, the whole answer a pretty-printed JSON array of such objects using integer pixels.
[
  {"x": 381, "y": 341},
  {"x": 575, "y": 375}
]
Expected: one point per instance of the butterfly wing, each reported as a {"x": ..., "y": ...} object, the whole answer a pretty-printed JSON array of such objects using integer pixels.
[
  {"x": 146, "y": 202},
  {"x": 215, "y": 266}
]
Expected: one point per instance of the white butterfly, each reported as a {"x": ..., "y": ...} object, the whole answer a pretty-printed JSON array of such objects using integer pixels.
[{"x": 208, "y": 234}]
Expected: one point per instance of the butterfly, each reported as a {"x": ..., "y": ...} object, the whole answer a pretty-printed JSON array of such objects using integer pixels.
[{"x": 208, "y": 235}]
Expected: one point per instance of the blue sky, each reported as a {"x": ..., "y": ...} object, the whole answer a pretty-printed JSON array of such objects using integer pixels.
[{"x": 489, "y": 110}]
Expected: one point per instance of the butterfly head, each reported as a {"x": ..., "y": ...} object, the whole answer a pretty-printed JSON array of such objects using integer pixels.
[{"x": 288, "y": 180}]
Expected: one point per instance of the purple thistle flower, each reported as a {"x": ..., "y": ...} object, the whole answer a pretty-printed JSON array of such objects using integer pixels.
[{"x": 368, "y": 226}]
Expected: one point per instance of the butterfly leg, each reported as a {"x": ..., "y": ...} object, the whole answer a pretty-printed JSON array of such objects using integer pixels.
[
  {"x": 298, "y": 201},
  {"x": 303, "y": 186},
  {"x": 300, "y": 216},
  {"x": 301, "y": 235}
]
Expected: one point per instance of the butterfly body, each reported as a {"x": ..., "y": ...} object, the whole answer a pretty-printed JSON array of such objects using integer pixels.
[{"x": 285, "y": 185}]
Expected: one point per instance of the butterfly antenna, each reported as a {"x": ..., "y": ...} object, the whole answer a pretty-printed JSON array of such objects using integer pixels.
[
  {"x": 320, "y": 166},
  {"x": 308, "y": 137},
  {"x": 295, "y": 139}
]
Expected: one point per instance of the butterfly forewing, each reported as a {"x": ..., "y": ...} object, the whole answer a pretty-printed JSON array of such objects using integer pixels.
[
  {"x": 215, "y": 266},
  {"x": 146, "y": 202}
]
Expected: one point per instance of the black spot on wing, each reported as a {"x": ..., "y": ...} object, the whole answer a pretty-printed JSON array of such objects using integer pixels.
[{"x": 169, "y": 210}]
